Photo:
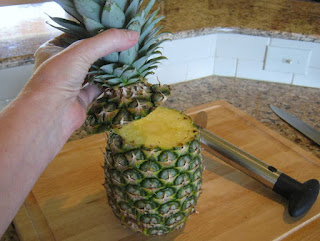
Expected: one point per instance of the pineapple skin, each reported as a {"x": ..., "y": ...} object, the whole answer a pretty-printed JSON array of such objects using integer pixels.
[
  {"x": 118, "y": 106},
  {"x": 152, "y": 190}
]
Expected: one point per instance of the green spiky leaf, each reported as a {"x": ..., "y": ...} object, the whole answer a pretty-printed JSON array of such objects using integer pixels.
[
  {"x": 119, "y": 71},
  {"x": 153, "y": 33},
  {"x": 72, "y": 26},
  {"x": 147, "y": 28},
  {"x": 138, "y": 63},
  {"x": 100, "y": 2},
  {"x": 112, "y": 82},
  {"x": 132, "y": 10},
  {"x": 128, "y": 74},
  {"x": 149, "y": 6},
  {"x": 112, "y": 15},
  {"x": 121, "y": 3},
  {"x": 88, "y": 8},
  {"x": 146, "y": 66},
  {"x": 70, "y": 8},
  {"x": 138, "y": 18},
  {"x": 108, "y": 68},
  {"x": 68, "y": 31},
  {"x": 150, "y": 46},
  {"x": 113, "y": 57},
  {"x": 131, "y": 81},
  {"x": 92, "y": 26}
]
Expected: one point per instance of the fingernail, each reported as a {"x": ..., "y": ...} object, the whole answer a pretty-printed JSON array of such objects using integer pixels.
[{"x": 133, "y": 35}]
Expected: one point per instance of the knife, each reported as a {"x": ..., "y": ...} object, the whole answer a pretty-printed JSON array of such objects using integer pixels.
[
  {"x": 298, "y": 124},
  {"x": 301, "y": 196}
]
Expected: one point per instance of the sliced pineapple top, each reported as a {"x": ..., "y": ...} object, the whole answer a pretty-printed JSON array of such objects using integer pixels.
[{"x": 164, "y": 128}]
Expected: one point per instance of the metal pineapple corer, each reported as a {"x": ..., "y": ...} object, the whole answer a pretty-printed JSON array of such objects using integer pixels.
[{"x": 301, "y": 196}]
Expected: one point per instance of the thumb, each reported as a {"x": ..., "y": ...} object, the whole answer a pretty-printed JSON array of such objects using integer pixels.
[
  {"x": 112, "y": 40},
  {"x": 73, "y": 62}
]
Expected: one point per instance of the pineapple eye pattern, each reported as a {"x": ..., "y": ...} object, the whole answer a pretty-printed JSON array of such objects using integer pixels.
[
  {"x": 158, "y": 231},
  {"x": 175, "y": 219},
  {"x": 134, "y": 156},
  {"x": 116, "y": 177},
  {"x": 195, "y": 146},
  {"x": 183, "y": 179},
  {"x": 164, "y": 193},
  {"x": 184, "y": 162},
  {"x": 189, "y": 202},
  {"x": 151, "y": 183},
  {"x": 150, "y": 219},
  {"x": 197, "y": 174},
  {"x": 145, "y": 205},
  {"x": 120, "y": 161},
  {"x": 150, "y": 166},
  {"x": 167, "y": 157},
  {"x": 195, "y": 163},
  {"x": 124, "y": 206},
  {"x": 168, "y": 175},
  {"x": 132, "y": 175},
  {"x": 170, "y": 207},
  {"x": 108, "y": 159},
  {"x": 154, "y": 190},
  {"x": 135, "y": 190},
  {"x": 185, "y": 191}
]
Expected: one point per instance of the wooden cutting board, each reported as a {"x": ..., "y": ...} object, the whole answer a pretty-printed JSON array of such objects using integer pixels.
[{"x": 69, "y": 203}]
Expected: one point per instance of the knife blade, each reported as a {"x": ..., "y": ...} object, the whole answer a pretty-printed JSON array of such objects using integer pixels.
[{"x": 298, "y": 124}]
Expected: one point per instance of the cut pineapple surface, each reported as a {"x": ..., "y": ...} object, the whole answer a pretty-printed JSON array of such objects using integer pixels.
[{"x": 164, "y": 127}]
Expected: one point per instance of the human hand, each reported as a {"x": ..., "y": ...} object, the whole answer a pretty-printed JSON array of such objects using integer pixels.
[
  {"x": 35, "y": 126},
  {"x": 51, "y": 48},
  {"x": 62, "y": 75}
]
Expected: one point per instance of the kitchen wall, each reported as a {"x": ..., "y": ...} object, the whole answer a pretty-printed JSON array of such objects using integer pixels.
[
  {"x": 233, "y": 55},
  {"x": 243, "y": 56},
  {"x": 12, "y": 81}
]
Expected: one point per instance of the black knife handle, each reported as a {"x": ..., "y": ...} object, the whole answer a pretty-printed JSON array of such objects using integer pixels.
[{"x": 301, "y": 196}]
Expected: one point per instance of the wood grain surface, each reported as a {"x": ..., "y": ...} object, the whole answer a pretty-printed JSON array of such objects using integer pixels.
[{"x": 69, "y": 203}]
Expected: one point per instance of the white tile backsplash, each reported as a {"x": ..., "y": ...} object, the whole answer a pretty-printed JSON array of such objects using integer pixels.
[
  {"x": 228, "y": 54},
  {"x": 314, "y": 47},
  {"x": 249, "y": 69},
  {"x": 311, "y": 79},
  {"x": 12, "y": 80},
  {"x": 188, "y": 49},
  {"x": 200, "y": 68},
  {"x": 169, "y": 74},
  {"x": 241, "y": 46},
  {"x": 287, "y": 60},
  {"x": 225, "y": 66}
]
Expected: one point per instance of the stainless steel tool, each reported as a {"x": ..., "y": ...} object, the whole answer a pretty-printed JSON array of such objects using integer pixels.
[
  {"x": 301, "y": 196},
  {"x": 298, "y": 124}
]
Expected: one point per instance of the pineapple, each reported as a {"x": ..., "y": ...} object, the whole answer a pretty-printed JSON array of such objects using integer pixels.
[
  {"x": 122, "y": 75},
  {"x": 153, "y": 165},
  {"x": 153, "y": 171}
]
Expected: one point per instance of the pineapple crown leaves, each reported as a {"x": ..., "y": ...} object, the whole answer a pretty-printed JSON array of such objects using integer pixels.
[{"x": 93, "y": 16}]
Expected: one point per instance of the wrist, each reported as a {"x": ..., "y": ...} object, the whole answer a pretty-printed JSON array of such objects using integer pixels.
[{"x": 44, "y": 109}]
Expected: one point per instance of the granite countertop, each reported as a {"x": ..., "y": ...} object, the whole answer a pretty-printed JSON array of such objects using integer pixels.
[
  {"x": 252, "y": 97},
  {"x": 21, "y": 34}
]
